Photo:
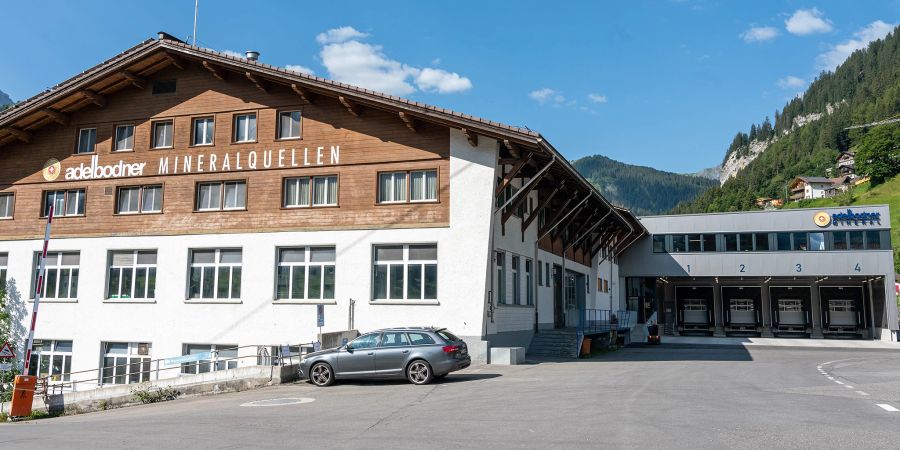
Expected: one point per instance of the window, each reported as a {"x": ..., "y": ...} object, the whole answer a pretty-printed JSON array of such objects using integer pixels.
[
  {"x": 761, "y": 241},
  {"x": 659, "y": 243},
  {"x": 529, "y": 288},
  {"x": 695, "y": 242},
  {"x": 873, "y": 240},
  {"x": 139, "y": 199},
  {"x": 405, "y": 272},
  {"x": 212, "y": 357},
  {"x": 215, "y": 274},
  {"x": 516, "y": 280},
  {"x": 679, "y": 244},
  {"x": 394, "y": 339},
  {"x": 132, "y": 274},
  {"x": 605, "y": 285},
  {"x": 245, "y": 128},
  {"x": 124, "y": 138},
  {"x": 370, "y": 340},
  {"x": 126, "y": 362},
  {"x": 65, "y": 203},
  {"x": 289, "y": 125},
  {"x": 392, "y": 186},
  {"x": 745, "y": 242},
  {"x": 540, "y": 274},
  {"x": 163, "y": 87},
  {"x": 305, "y": 273},
  {"x": 87, "y": 140},
  {"x": 322, "y": 190},
  {"x": 817, "y": 241},
  {"x": 162, "y": 134},
  {"x": 547, "y": 274},
  {"x": 221, "y": 195},
  {"x": 420, "y": 339},
  {"x": 783, "y": 241},
  {"x": 799, "y": 241},
  {"x": 731, "y": 242},
  {"x": 856, "y": 240},
  {"x": 203, "y": 131},
  {"x": 839, "y": 240},
  {"x": 51, "y": 359},
  {"x": 709, "y": 242},
  {"x": 4, "y": 263},
  {"x": 7, "y": 201},
  {"x": 61, "y": 278},
  {"x": 501, "y": 278}
]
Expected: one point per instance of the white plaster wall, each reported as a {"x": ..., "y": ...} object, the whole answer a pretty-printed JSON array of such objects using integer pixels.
[{"x": 545, "y": 301}]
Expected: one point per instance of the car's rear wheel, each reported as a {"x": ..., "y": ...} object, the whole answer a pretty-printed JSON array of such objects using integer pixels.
[
  {"x": 321, "y": 375},
  {"x": 419, "y": 372}
]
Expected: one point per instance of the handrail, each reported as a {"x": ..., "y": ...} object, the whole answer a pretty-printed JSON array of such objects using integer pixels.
[{"x": 57, "y": 383}]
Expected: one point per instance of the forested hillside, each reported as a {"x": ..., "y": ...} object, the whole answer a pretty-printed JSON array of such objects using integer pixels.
[
  {"x": 643, "y": 190},
  {"x": 808, "y": 133}
]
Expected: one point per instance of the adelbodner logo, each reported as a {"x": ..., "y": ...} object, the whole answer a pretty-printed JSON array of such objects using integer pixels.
[
  {"x": 856, "y": 218},
  {"x": 95, "y": 171}
]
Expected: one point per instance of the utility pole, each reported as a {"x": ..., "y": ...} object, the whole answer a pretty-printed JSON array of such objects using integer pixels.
[{"x": 196, "y": 9}]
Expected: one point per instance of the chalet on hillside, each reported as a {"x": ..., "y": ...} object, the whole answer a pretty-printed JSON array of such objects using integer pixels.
[
  {"x": 846, "y": 163},
  {"x": 803, "y": 187}
]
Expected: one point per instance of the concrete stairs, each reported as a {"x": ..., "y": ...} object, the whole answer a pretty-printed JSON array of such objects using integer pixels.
[{"x": 554, "y": 344}]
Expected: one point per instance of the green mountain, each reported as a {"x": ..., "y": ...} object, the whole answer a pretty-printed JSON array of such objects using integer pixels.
[
  {"x": 643, "y": 190},
  {"x": 4, "y": 100},
  {"x": 809, "y": 132}
]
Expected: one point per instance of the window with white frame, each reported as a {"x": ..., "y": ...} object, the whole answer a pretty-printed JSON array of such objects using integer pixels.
[
  {"x": 215, "y": 274},
  {"x": 124, "y": 138},
  {"x": 4, "y": 262},
  {"x": 540, "y": 274},
  {"x": 500, "y": 278},
  {"x": 87, "y": 140},
  {"x": 300, "y": 192},
  {"x": 7, "y": 204},
  {"x": 125, "y": 362},
  {"x": 65, "y": 203},
  {"x": 289, "y": 125},
  {"x": 529, "y": 286},
  {"x": 221, "y": 195},
  {"x": 516, "y": 280},
  {"x": 405, "y": 272},
  {"x": 61, "y": 277},
  {"x": 213, "y": 357},
  {"x": 411, "y": 186},
  {"x": 139, "y": 199},
  {"x": 132, "y": 274},
  {"x": 305, "y": 273},
  {"x": 245, "y": 128},
  {"x": 163, "y": 134},
  {"x": 51, "y": 359},
  {"x": 203, "y": 131}
]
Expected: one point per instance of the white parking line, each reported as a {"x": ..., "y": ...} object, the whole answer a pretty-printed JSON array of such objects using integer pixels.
[
  {"x": 862, "y": 393},
  {"x": 831, "y": 378},
  {"x": 887, "y": 407},
  {"x": 848, "y": 386},
  {"x": 838, "y": 382}
]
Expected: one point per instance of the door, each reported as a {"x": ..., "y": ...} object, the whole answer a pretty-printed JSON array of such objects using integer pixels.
[
  {"x": 559, "y": 319},
  {"x": 390, "y": 357},
  {"x": 358, "y": 358}
]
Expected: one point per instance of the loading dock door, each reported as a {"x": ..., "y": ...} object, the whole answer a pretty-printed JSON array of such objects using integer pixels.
[
  {"x": 790, "y": 306},
  {"x": 742, "y": 307},
  {"x": 694, "y": 308},
  {"x": 842, "y": 310}
]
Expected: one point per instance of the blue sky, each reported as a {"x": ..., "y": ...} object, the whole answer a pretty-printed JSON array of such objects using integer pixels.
[{"x": 664, "y": 84}]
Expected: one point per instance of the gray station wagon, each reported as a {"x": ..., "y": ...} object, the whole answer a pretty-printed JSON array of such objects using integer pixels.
[{"x": 418, "y": 354}]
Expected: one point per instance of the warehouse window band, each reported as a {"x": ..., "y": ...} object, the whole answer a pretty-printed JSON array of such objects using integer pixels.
[
  {"x": 407, "y": 187},
  {"x": 405, "y": 272},
  {"x": 61, "y": 275},
  {"x": 66, "y": 203},
  {"x": 215, "y": 274},
  {"x": 772, "y": 241},
  {"x": 302, "y": 192},
  {"x": 305, "y": 273},
  {"x": 139, "y": 199},
  {"x": 132, "y": 274},
  {"x": 126, "y": 362}
]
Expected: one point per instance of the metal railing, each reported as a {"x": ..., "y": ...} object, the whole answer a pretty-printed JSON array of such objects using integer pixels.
[
  {"x": 596, "y": 321},
  {"x": 138, "y": 371}
]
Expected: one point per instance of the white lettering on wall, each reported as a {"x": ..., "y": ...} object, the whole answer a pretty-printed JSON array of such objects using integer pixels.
[{"x": 95, "y": 171}]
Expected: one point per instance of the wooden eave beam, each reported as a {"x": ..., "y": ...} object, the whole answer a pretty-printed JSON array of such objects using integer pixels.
[
  {"x": 559, "y": 212},
  {"x": 470, "y": 136},
  {"x": 304, "y": 94},
  {"x": 175, "y": 61},
  {"x": 408, "y": 120},
  {"x": 215, "y": 70},
  {"x": 135, "y": 80},
  {"x": 522, "y": 197},
  {"x": 508, "y": 177},
  {"x": 581, "y": 227},
  {"x": 21, "y": 135},
  {"x": 58, "y": 117},
  {"x": 562, "y": 226},
  {"x": 512, "y": 148},
  {"x": 352, "y": 108},
  {"x": 258, "y": 82},
  {"x": 95, "y": 98},
  {"x": 541, "y": 205}
]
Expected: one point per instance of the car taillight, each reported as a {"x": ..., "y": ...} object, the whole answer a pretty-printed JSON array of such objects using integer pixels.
[{"x": 450, "y": 348}]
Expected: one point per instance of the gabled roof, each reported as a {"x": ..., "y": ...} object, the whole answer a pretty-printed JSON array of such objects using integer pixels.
[{"x": 814, "y": 179}]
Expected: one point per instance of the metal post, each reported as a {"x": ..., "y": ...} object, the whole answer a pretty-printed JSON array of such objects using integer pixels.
[
  {"x": 39, "y": 287},
  {"x": 871, "y": 310}
]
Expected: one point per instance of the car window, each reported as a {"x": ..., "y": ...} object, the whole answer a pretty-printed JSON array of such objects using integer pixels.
[
  {"x": 366, "y": 341},
  {"x": 448, "y": 336},
  {"x": 420, "y": 339},
  {"x": 394, "y": 339}
]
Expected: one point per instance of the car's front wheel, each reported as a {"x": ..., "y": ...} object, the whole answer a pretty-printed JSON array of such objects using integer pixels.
[
  {"x": 419, "y": 372},
  {"x": 321, "y": 375}
]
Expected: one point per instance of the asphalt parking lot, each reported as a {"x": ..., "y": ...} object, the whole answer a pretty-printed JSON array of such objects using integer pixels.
[{"x": 636, "y": 397}]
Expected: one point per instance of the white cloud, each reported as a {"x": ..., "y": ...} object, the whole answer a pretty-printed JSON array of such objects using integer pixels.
[
  {"x": 597, "y": 98},
  {"x": 233, "y": 53},
  {"x": 300, "y": 69},
  {"x": 366, "y": 65},
  {"x": 546, "y": 95},
  {"x": 759, "y": 34},
  {"x": 791, "y": 82},
  {"x": 807, "y": 21},
  {"x": 441, "y": 81},
  {"x": 338, "y": 35},
  {"x": 840, "y": 52}
]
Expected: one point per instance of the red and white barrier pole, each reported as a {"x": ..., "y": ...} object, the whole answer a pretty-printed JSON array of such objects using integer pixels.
[{"x": 39, "y": 288}]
